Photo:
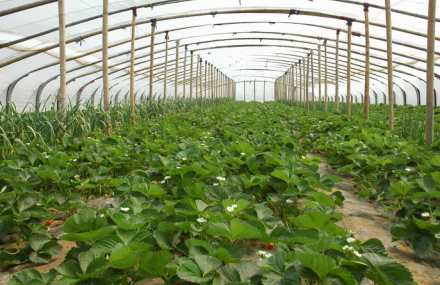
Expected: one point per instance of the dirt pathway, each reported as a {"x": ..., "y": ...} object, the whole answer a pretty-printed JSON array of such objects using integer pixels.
[{"x": 363, "y": 218}]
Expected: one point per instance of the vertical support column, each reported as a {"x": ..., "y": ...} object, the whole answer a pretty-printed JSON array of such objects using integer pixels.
[
  {"x": 325, "y": 79},
  {"x": 255, "y": 94},
  {"x": 304, "y": 83},
  {"x": 200, "y": 75},
  {"x": 244, "y": 90},
  {"x": 307, "y": 82},
  {"x": 191, "y": 76},
  {"x": 430, "y": 91},
  {"x": 176, "y": 76},
  {"x": 133, "y": 37},
  {"x": 211, "y": 80},
  {"x": 390, "y": 65},
  {"x": 184, "y": 73},
  {"x": 153, "y": 34},
  {"x": 313, "y": 83},
  {"x": 206, "y": 79},
  {"x": 105, "y": 88},
  {"x": 219, "y": 94},
  {"x": 338, "y": 31},
  {"x": 62, "y": 32},
  {"x": 166, "y": 67},
  {"x": 319, "y": 75},
  {"x": 349, "y": 24},
  {"x": 300, "y": 85},
  {"x": 264, "y": 91},
  {"x": 367, "y": 64},
  {"x": 197, "y": 75}
]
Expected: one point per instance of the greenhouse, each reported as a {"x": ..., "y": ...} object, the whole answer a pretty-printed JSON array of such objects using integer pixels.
[{"x": 220, "y": 142}]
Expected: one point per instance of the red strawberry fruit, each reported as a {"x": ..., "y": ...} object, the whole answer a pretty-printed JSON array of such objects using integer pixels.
[
  {"x": 48, "y": 223},
  {"x": 269, "y": 246},
  {"x": 255, "y": 243},
  {"x": 333, "y": 167},
  {"x": 271, "y": 206}
]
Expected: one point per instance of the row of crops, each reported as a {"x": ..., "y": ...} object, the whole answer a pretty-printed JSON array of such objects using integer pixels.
[{"x": 220, "y": 195}]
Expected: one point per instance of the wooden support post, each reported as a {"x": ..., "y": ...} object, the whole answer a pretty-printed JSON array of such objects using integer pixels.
[
  {"x": 153, "y": 34},
  {"x": 176, "y": 76},
  {"x": 319, "y": 75},
  {"x": 338, "y": 31},
  {"x": 184, "y": 73},
  {"x": 244, "y": 90},
  {"x": 166, "y": 67},
  {"x": 105, "y": 80},
  {"x": 367, "y": 64},
  {"x": 133, "y": 40},
  {"x": 307, "y": 82},
  {"x": 264, "y": 91},
  {"x": 191, "y": 76},
  {"x": 325, "y": 79},
  {"x": 211, "y": 80},
  {"x": 300, "y": 85},
  {"x": 390, "y": 65},
  {"x": 206, "y": 79},
  {"x": 430, "y": 91},
  {"x": 304, "y": 83},
  {"x": 219, "y": 94},
  {"x": 197, "y": 74},
  {"x": 200, "y": 76},
  {"x": 62, "y": 32},
  {"x": 348, "y": 101},
  {"x": 313, "y": 83}
]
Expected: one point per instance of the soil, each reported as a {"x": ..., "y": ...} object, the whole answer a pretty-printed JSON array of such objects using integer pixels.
[
  {"x": 364, "y": 219},
  {"x": 359, "y": 216}
]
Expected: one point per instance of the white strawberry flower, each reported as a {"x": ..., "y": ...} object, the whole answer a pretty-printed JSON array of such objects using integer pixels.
[
  {"x": 201, "y": 220},
  {"x": 243, "y": 153},
  {"x": 230, "y": 209},
  {"x": 437, "y": 235},
  {"x": 426, "y": 214},
  {"x": 346, "y": 247},
  {"x": 219, "y": 178},
  {"x": 167, "y": 177},
  {"x": 357, "y": 253},
  {"x": 215, "y": 184},
  {"x": 350, "y": 239},
  {"x": 289, "y": 201},
  {"x": 125, "y": 209}
]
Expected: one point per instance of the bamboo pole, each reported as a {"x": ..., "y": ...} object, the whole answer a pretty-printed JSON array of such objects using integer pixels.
[
  {"x": 367, "y": 64},
  {"x": 133, "y": 36},
  {"x": 300, "y": 85},
  {"x": 325, "y": 79},
  {"x": 165, "y": 77},
  {"x": 430, "y": 91},
  {"x": 390, "y": 66},
  {"x": 184, "y": 73},
  {"x": 319, "y": 75},
  {"x": 219, "y": 94},
  {"x": 337, "y": 72},
  {"x": 62, "y": 27},
  {"x": 206, "y": 79},
  {"x": 264, "y": 91},
  {"x": 200, "y": 76},
  {"x": 176, "y": 76},
  {"x": 244, "y": 90},
  {"x": 191, "y": 76},
  {"x": 349, "y": 24},
  {"x": 212, "y": 80},
  {"x": 105, "y": 79},
  {"x": 197, "y": 74},
  {"x": 313, "y": 83},
  {"x": 153, "y": 32},
  {"x": 307, "y": 82}
]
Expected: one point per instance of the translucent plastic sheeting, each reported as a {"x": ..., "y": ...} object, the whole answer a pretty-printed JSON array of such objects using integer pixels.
[{"x": 260, "y": 46}]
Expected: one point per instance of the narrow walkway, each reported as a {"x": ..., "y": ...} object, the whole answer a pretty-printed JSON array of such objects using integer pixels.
[{"x": 363, "y": 218}]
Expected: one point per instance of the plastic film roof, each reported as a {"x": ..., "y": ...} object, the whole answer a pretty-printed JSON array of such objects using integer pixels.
[{"x": 251, "y": 41}]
